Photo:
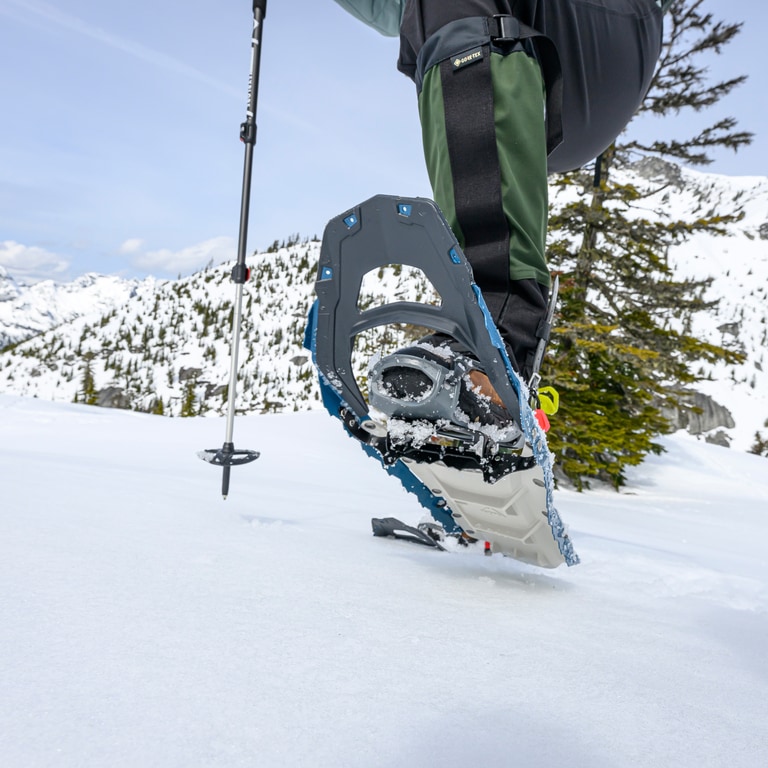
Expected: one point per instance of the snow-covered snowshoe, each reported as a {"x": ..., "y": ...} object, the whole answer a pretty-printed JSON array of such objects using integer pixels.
[{"x": 478, "y": 463}]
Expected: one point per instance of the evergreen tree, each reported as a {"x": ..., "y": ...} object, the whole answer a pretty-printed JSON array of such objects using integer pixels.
[
  {"x": 681, "y": 83},
  {"x": 189, "y": 400},
  {"x": 760, "y": 446},
  {"x": 622, "y": 348},
  {"x": 88, "y": 393}
]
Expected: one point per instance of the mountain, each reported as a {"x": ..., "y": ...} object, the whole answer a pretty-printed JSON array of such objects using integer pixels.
[
  {"x": 737, "y": 263},
  {"x": 165, "y": 346},
  {"x": 147, "y": 623},
  {"x": 26, "y": 311}
]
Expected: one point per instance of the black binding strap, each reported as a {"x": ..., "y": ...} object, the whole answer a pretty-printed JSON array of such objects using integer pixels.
[{"x": 471, "y": 136}]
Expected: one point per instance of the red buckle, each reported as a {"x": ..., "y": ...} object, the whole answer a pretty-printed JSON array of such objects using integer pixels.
[{"x": 541, "y": 417}]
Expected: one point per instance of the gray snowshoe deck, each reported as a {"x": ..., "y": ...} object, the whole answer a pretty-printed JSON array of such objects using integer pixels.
[{"x": 511, "y": 513}]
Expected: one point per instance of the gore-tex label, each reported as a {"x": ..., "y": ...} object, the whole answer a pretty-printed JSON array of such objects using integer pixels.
[{"x": 467, "y": 58}]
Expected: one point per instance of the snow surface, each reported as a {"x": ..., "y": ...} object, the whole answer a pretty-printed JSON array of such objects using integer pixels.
[{"x": 144, "y": 622}]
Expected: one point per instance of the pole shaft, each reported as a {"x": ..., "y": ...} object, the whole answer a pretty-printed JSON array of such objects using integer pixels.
[
  {"x": 233, "y": 362},
  {"x": 248, "y": 132},
  {"x": 248, "y": 135}
]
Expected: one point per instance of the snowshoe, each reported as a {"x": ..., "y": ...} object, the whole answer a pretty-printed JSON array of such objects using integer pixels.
[{"x": 451, "y": 420}]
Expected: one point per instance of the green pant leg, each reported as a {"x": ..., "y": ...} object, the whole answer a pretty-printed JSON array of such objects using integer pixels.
[{"x": 521, "y": 145}]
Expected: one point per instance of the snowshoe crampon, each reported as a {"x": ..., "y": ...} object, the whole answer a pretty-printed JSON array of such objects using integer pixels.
[
  {"x": 391, "y": 527},
  {"x": 486, "y": 472}
]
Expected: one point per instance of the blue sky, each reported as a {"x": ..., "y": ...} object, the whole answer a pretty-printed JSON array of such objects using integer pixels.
[{"x": 119, "y": 148}]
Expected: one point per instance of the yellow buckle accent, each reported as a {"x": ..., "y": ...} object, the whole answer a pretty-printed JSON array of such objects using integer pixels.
[{"x": 549, "y": 400}]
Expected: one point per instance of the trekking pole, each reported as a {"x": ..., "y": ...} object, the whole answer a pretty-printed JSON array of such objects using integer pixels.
[{"x": 227, "y": 456}]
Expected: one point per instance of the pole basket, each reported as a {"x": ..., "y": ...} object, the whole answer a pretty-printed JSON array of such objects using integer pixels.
[{"x": 224, "y": 458}]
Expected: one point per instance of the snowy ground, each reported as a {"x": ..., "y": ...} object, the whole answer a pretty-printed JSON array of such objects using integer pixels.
[{"x": 144, "y": 622}]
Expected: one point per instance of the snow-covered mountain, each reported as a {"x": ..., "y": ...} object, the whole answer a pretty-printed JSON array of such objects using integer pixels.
[
  {"x": 28, "y": 310},
  {"x": 738, "y": 266},
  {"x": 164, "y": 346}
]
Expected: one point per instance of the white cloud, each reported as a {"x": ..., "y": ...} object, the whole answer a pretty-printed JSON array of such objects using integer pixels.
[
  {"x": 30, "y": 264},
  {"x": 186, "y": 260},
  {"x": 132, "y": 245}
]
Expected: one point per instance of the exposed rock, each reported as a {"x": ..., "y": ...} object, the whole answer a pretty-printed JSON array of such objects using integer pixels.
[
  {"x": 763, "y": 231},
  {"x": 185, "y": 374},
  {"x": 656, "y": 169},
  {"x": 730, "y": 328},
  {"x": 699, "y": 414},
  {"x": 113, "y": 397},
  {"x": 299, "y": 360},
  {"x": 718, "y": 438},
  {"x": 214, "y": 390}
]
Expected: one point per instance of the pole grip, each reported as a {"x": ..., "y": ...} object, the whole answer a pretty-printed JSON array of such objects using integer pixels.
[{"x": 261, "y": 5}]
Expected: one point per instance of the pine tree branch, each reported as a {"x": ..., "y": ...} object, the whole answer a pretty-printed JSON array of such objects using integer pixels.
[
  {"x": 694, "y": 149},
  {"x": 681, "y": 83},
  {"x": 677, "y": 92}
]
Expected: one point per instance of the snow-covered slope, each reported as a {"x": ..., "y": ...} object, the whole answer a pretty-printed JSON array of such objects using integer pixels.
[
  {"x": 739, "y": 265},
  {"x": 147, "y": 623}
]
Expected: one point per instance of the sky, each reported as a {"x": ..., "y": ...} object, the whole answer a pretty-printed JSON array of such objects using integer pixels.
[{"x": 119, "y": 128}]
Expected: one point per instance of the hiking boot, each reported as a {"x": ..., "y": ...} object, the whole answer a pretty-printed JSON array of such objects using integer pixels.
[{"x": 439, "y": 384}]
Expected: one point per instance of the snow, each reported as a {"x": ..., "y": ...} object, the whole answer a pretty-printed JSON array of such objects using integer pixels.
[
  {"x": 738, "y": 264},
  {"x": 145, "y": 622},
  {"x": 28, "y": 310}
]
